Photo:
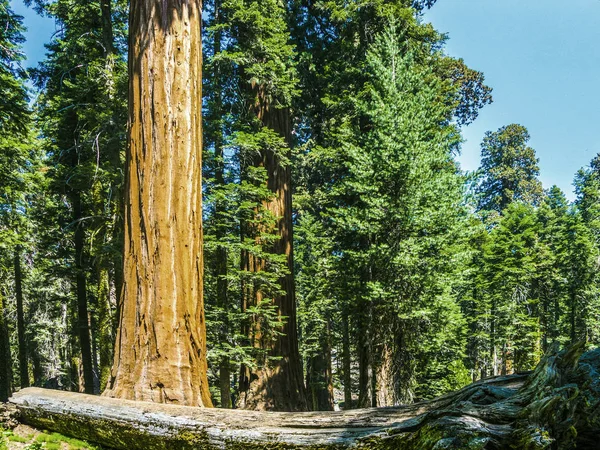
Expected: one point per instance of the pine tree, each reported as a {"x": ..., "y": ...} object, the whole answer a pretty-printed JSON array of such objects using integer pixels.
[
  {"x": 511, "y": 258},
  {"x": 509, "y": 169},
  {"x": 82, "y": 115},
  {"x": 16, "y": 166}
]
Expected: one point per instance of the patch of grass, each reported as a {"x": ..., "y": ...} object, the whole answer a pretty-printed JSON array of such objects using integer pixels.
[
  {"x": 42, "y": 437},
  {"x": 34, "y": 446},
  {"x": 53, "y": 442},
  {"x": 17, "y": 438}
]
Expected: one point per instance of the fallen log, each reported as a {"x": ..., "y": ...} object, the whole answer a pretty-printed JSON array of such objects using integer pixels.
[{"x": 557, "y": 406}]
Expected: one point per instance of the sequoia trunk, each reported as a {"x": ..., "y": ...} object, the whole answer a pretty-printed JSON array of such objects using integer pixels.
[
  {"x": 160, "y": 352},
  {"x": 278, "y": 384}
]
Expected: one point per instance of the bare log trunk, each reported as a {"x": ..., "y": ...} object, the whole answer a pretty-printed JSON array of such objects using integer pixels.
[
  {"x": 160, "y": 353},
  {"x": 557, "y": 406}
]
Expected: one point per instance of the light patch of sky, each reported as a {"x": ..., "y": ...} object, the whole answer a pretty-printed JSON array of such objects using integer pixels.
[
  {"x": 542, "y": 58},
  {"x": 39, "y": 31}
]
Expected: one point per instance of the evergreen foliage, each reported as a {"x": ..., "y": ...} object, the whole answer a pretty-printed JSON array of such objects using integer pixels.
[{"x": 411, "y": 277}]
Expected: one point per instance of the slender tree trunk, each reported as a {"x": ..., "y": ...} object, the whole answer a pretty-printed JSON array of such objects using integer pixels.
[
  {"x": 573, "y": 316},
  {"x": 83, "y": 328},
  {"x": 364, "y": 366},
  {"x": 220, "y": 212},
  {"x": 319, "y": 376},
  {"x": 494, "y": 370},
  {"x": 5, "y": 357},
  {"x": 346, "y": 363},
  {"x": 160, "y": 352},
  {"x": 23, "y": 364},
  {"x": 107, "y": 27},
  {"x": 105, "y": 335}
]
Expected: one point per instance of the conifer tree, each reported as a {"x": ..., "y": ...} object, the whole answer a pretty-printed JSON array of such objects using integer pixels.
[
  {"x": 509, "y": 169},
  {"x": 82, "y": 115},
  {"x": 16, "y": 165}
]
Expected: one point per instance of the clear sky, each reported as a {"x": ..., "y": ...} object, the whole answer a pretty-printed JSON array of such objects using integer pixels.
[
  {"x": 39, "y": 31},
  {"x": 541, "y": 57}
]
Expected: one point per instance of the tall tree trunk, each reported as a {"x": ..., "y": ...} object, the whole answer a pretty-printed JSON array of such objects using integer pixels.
[
  {"x": 493, "y": 357},
  {"x": 346, "y": 363},
  {"x": 83, "y": 328},
  {"x": 220, "y": 213},
  {"x": 105, "y": 335},
  {"x": 23, "y": 364},
  {"x": 364, "y": 367},
  {"x": 278, "y": 384},
  {"x": 573, "y": 315},
  {"x": 319, "y": 376},
  {"x": 107, "y": 26},
  {"x": 5, "y": 357},
  {"x": 160, "y": 351}
]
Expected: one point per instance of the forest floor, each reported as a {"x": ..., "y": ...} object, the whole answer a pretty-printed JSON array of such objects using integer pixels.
[{"x": 17, "y": 436}]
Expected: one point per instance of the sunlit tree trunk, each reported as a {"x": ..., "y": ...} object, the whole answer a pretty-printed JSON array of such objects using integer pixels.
[{"x": 160, "y": 352}]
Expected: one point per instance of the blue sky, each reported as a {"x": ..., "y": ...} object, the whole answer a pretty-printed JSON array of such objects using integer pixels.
[
  {"x": 542, "y": 58},
  {"x": 39, "y": 31}
]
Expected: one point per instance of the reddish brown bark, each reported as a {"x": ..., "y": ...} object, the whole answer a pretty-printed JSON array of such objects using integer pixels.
[
  {"x": 160, "y": 353},
  {"x": 277, "y": 384}
]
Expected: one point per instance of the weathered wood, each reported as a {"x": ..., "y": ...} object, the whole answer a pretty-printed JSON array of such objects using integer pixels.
[{"x": 557, "y": 406}]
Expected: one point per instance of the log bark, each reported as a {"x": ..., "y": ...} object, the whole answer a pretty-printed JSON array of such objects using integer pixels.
[{"x": 555, "y": 407}]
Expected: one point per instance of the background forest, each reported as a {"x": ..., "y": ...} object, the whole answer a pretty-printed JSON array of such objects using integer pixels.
[{"x": 403, "y": 278}]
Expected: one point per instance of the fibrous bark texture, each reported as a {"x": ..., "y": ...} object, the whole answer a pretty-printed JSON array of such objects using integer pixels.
[
  {"x": 555, "y": 407},
  {"x": 160, "y": 352},
  {"x": 276, "y": 384}
]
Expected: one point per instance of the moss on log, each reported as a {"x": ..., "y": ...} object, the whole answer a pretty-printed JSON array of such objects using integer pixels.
[{"x": 555, "y": 407}]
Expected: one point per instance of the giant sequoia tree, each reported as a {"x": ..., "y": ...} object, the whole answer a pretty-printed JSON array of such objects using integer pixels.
[{"x": 160, "y": 352}]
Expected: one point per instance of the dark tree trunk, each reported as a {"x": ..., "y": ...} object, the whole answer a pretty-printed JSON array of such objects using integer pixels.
[
  {"x": 83, "y": 327},
  {"x": 319, "y": 376},
  {"x": 107, "y": 27},
  {"x": 278, "y": 383},
  {"x": 23, "y": 364},
  {"x": 346, "y": 363},
  {"x": 5, "y": 357}
]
